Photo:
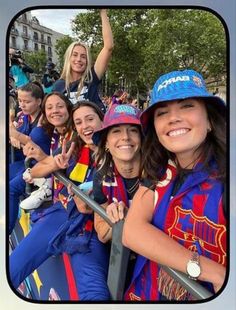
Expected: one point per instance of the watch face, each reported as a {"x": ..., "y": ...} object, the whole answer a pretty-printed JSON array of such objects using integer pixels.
[{"x": 193, "y": 269}]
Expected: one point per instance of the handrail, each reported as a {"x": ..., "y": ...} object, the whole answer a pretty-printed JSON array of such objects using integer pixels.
[
  {"x": 78, "y": 192},
  {"x": 192, "y": 286},
  {"x": 119, "y": 255}
]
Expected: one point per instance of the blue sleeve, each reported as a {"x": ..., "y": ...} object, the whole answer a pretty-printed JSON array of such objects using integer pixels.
[
  {"x": 95, "y": 77},
  {"x": 41, "y": 138},
  {"x": 59, "y": 86}
]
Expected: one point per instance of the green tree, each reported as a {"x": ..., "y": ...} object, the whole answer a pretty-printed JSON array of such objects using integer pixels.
[
  {"x": 184, "y": 39},
  {"x": 60, "y": 48},
  {"x": 36, "y": 60},
  {"x": 150, "y": 42}
]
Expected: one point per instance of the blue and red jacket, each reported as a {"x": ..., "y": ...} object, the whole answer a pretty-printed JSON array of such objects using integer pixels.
[{"x": 194, "y": 217}]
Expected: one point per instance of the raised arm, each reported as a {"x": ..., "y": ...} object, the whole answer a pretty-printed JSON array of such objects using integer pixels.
[
  {"x": 104, "y": 56},
  {"x": 147, "y": 240}
]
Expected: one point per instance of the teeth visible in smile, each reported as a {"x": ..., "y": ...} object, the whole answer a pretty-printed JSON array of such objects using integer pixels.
[
  {"x": 177, "y": 132},
  {"x": 86, "y": 133},
  {"x": 125, "y": 147}
]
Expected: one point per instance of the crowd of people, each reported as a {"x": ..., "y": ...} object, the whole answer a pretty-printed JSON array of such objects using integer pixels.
[{"x": 161, "y": 170}]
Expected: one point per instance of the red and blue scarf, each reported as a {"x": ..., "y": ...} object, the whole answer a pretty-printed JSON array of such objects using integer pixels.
[
  {"x": 114, "y": 187},
  {"x": 193, "y": 217}
]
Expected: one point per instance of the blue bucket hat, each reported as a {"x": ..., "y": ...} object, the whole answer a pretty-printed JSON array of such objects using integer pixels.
[
  {"x": 118, "y": 114},
  {"x": 178, "y": 85}
]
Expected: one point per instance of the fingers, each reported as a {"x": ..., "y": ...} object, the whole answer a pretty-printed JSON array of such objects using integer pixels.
[
  {"x": 60, "y": 161},
  {"x": 30, "y": 149},
  {"x": 71, "y": 149},
  {"x": 15, "y": 143},
  {"x": 115, "y": 211},
  {"x": 63, "y": 147},
  {"x": 121, "y": 209},
  {"x": 69, "y": 190}
]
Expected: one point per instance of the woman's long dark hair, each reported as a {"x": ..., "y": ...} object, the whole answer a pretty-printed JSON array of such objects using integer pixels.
[
  {"x": 155, "y": 156},
  {"x": 45, "y": 123}
]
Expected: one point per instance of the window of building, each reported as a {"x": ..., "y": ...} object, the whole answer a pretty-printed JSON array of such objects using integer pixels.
[
  {"x": 42, "y": 37},
  {"x": 49, "y": 51},
  {"x": 49, "y": 40},
  {"x": 13, "y": 42},
  {"x": 25, "y": 30},
  {"x": 43, "y": 47},
  {"x": 24, "y": 17},
  {"x": 36, "y": 46},
  {"x": 36, "y": 36},
  {"x": 26, "y": 44}
]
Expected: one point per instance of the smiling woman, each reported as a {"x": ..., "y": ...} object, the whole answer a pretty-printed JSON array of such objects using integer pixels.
[
  {"x": 118, "y": 160},
  {"x": 181, "y": 123},
  {"x": 79, "y": 79},
  {"x": 184, "y": 164}
]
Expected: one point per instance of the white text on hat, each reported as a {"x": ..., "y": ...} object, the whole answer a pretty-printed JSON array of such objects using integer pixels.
[{"x": 173, "y": 80}]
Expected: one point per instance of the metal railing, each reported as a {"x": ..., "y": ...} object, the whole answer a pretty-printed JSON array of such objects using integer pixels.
[{"x": 119, "y": 255}]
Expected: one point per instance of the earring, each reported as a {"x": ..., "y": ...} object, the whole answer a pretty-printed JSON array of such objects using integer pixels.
[
  {"x": 106, "y": 149},
  {"x": 209, "y": 129}
]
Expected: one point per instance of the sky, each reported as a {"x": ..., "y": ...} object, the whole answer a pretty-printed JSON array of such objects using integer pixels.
[{"x": 62, "y": 22}]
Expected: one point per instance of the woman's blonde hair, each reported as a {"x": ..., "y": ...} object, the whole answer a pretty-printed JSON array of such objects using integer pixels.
[{"x": 67, "y": 73}]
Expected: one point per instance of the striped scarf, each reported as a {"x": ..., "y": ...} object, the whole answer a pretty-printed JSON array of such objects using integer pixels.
[
  {"x": 80, "y": 170},
  {"x": 114, "y": 187},
  {"x": 194, "y": 218}
]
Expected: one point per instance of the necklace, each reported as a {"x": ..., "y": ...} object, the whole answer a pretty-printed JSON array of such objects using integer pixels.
[{"x": 133, "y": 187}]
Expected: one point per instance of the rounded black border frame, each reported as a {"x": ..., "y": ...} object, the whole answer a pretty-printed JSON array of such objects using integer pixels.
[{"x": 227, "y": 36}]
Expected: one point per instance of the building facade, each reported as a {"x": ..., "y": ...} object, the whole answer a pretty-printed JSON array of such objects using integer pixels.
[{"x": 28, "y": 35}]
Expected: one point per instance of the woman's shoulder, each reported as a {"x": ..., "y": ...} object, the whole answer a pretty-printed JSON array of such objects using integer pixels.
[
  {"x": 59, "y": 86},
  {"x": 94, "y": 75}
]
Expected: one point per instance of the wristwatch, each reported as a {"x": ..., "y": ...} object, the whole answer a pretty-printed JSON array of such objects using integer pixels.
[{"x": 193, "y": 267}]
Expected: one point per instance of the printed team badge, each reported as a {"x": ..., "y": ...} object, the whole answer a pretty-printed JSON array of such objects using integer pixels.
[
  {"x": 197, "y": 81},
  {"x": 198, "y": 231}
]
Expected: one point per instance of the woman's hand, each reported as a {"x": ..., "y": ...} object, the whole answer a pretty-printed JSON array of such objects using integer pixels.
[
  {"x": 116, "y": 211},
  {"x": 14, "y": 142},
  {"x": 27, "y": 176},
  {"x": 32, "y": 150},
  {"x": 12, "y": 130},
  {"x": 62, "y": 160},
  {"x": 80, "y": 204}
]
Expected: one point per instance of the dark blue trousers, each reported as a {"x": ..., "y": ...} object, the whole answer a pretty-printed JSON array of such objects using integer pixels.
[
  {"x": 90, "y": 268},
  {"x": 16, "y": 190}
]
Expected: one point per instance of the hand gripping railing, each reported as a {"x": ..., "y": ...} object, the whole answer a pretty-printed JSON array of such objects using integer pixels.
[{"x": 119, "y": 256}]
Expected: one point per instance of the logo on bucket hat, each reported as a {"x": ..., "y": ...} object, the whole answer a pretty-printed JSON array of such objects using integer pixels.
[
  {"x": 118, "y": 114},
  {"x": 178, "y": 85}
]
